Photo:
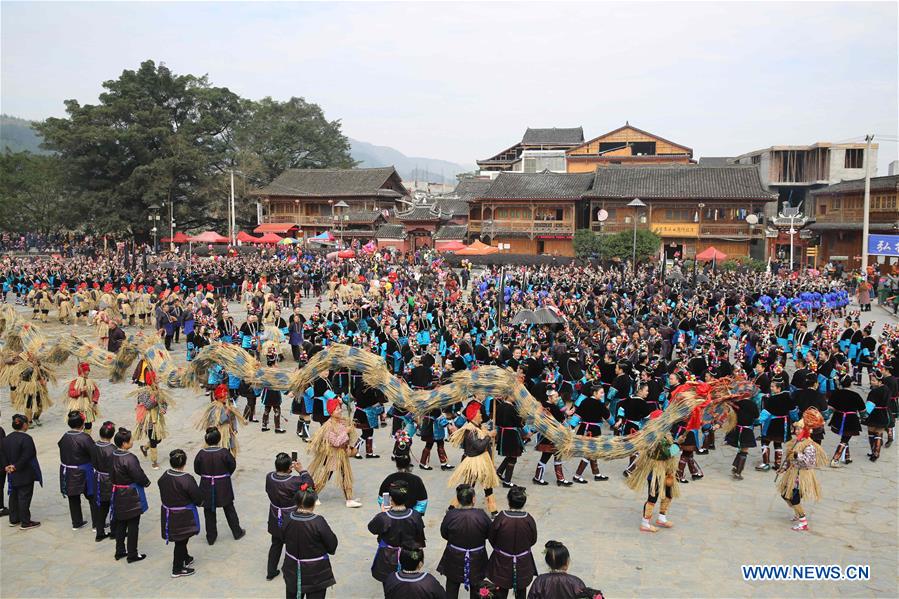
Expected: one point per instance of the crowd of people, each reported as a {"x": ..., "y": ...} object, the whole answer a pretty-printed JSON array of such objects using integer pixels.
[{"x": 610, "y": 350}]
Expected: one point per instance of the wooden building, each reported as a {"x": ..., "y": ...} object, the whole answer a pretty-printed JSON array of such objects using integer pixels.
[
  {"x": 626, "y": 145},
  {"x": 691, "y": 207},
  {"x": 307, "y": 199},
  {"x": 538, "y": 150},
  {"x": 535, "y": 213},
  {"x": 839, "y": 214}
]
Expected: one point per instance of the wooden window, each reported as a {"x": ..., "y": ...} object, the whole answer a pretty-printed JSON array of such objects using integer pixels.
[
  {"x": 757, "y": 159},
  {"x": 835, "y": 203},
  {"x": 855, "y": 158}
]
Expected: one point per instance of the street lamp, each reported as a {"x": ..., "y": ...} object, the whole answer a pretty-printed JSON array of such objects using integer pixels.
[
  {"x": 341, "y": 217},
  {"x": 154, "y": 220},
  {"x": 699, "y": 206},
  {"x": 791, "y": 212},
  {"x": 636, "y": 204}
]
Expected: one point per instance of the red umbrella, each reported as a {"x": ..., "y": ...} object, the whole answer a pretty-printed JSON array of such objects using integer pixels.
[
  {"x": 246, "y": 237},
  {"x": 346, "y": 254},
  {"x": 208, "y": 237},
  {"x": 267, "y": 238}
]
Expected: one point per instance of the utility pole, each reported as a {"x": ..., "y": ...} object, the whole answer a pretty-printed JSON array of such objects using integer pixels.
[
  {"x": 232, "y": 221},
  {"x": 866, "y": 225},
  {"x": 171, "y": 225}
]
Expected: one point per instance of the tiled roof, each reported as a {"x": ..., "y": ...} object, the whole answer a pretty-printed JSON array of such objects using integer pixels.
[
  {"x": 452, "y": 207},
  {"x": 888, "y": 183},
  {"x": 469, "y": 189},
  {"x": 390, "y": 231},
  {"x": 331, "y": 182},
  {"x": 362, "y": 217},
  {"x": 679, "y": 182},
  {"x": 451, "y": 232},
  {"x": 553, "y": 136},
  {"x": 539, "y": 185},
  {"x": 715, "y": 161},
  {"x": 419, "y": 212},
  {"x": 885, "y": 227}
]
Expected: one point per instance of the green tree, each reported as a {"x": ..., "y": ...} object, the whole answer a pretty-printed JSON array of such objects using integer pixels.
[
  {"x": 155, "y": 137},
  {"x": 273, "y": 136},
  {"x": 32, "y": 194},
  {"x": 616, "y": 245}
]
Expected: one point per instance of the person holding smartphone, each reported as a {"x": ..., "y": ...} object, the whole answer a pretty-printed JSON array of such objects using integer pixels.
[{"x": 281, "y": 486}]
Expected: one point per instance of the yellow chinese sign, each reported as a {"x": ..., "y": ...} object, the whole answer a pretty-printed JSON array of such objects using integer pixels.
[{"x": 676, "y": 229}]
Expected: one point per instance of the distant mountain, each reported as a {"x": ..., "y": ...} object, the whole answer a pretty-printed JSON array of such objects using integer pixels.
[
  {"x": 410, "y": 168},
  {"x": 17, "y": 135}
]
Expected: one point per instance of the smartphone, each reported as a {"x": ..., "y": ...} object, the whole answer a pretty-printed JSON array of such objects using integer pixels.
[
  {"x": 385, "y": 501},
  {"x": 293, "y": 456}
]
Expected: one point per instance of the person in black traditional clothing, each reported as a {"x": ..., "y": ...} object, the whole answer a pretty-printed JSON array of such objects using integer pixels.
[
  {"x": 396, "y": 527},
  {"x": 410, "y": 582},
  {"x": 776, "y": 429},
  {"x": 465, "y": 529},
  {"x": 557, "y": 583},
  {"x": 22, "y": 470},
  {"x": 179, "y": 518},
  {"x": 512, "y": 534},
  {"x": 281, "y": 486},
  {"x": 215, "y": 465},
  {"x": 76, "y": 470},
  {"x": 509, "y": 443},
  {"x": 308, "y": 541},
  {"x": 845, "y": 422},
  {"x": 369, "y": 405},
  {"x": 417, "y": 497},
  {"x": 4, "y": 511},
  {"x": 591, "y": 412},
  {"x": 742, "y": 436},
  {"x": 554, "y": 406},
  {"x": 129, "y": 499},
  {"x": 629, "y": 416},
  {"x": 271, "y": 399},
  {"x": 101, "y": 458},
  {"x": 879, "y": 418},
  {"x": 807, "y": 396}
]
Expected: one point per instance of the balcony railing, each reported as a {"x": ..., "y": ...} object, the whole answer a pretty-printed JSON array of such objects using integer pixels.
[
  {"x": 727, "y": 230},
  {"x": 538, "y": 227},
  {"x": 322, "y": 220}
]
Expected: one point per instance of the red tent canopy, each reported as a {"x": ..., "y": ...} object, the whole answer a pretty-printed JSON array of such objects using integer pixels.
[
  {"x": 209, "y": 237},
  {"x": 275, "y": 228},
  {"x": 246, "y": 237},
  {"x": 711, "y": 253},
  {"x": 268, "y": 238},
  {"x": 178, "y": 238},
  {"x": 346, "y": 254},
  {"x": 449, "y": 246},
  {"x": 477, "y": 249}
]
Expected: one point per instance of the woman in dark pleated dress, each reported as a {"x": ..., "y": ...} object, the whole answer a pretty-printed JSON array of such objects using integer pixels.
[
  {"x": 308, "y": 541},
  {"x": 557, "y": 583},
  {"x": 465, "y": 529},
  {"x": 180, "y": 495}
]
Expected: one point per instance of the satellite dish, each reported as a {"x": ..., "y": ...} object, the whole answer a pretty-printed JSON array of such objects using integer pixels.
[
  {"x": 602, "y": 215},
  {"x": 752, "y": 219}
]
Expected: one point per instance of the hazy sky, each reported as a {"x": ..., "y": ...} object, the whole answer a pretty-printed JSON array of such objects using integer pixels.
[{"x": 461, "y": 81}]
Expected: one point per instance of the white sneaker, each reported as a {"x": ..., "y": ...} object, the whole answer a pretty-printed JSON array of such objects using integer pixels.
[{"x": 353, "y": 503}]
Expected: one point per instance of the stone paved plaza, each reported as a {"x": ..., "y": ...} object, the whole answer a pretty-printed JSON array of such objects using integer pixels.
[{"x": 719, "y": 523}]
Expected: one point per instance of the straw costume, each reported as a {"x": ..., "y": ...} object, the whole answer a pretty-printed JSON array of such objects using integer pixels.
[
  {"x": 477, "y": 467},
  {"x": 27, "y": 378},
  {"x": 657, "y": 467},
  {"x": 797, "y": 479},
  {"x": 222, "y": 415},
  {"x": 152, "y": 404},
  {"x": 331, "y": 447},
  {"x": 83, "y": 396}
]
